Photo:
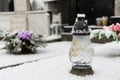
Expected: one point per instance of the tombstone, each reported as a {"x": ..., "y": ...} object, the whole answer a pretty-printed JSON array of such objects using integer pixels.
[
  {"x": 4, "y": 22},
  {"x": 39, "y": 22},
  {"x": 19, "y": 19},
  {"x": 19, "y": 22},
  {"x": 21, "y": 5}
]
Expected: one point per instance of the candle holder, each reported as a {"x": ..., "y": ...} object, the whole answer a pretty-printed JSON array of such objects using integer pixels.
[{"x": 81, "y": 53}]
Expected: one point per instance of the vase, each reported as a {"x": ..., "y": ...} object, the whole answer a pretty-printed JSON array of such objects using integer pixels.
[
  {"x": 25, "y": 50},
  {"x": 102, "y": 40}
]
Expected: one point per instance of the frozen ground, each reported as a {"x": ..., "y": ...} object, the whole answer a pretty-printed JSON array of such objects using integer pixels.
[
  {"x": 54, "y": 64},
  {"x": 52, "y": 49},
  {"x": 57, "y": 68}
]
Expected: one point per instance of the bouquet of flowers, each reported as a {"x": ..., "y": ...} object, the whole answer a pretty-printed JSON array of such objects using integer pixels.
[
  {"x": 115, "y": 29},
  {"x": 108, "y": 33},
  {"x": 23, "y": 42}
]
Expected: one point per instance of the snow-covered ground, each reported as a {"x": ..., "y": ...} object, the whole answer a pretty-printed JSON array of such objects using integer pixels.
[
  {"x": 58, "y": 68},
  {"x": 52, "y": 49},
  {"x": 54, "y": 64},
  {"x": 108, "y": 50}
]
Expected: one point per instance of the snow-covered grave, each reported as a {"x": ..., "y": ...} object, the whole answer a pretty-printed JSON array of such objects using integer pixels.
[{"x": 54, "y": 64}]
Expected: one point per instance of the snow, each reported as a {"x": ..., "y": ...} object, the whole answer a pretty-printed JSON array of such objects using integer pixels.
[
  {"x": 54, "y": 64},
  {"x": 107, "y": 49},
  {"x": 58, "y": 68},
  {"x": 52, "y": 49}
]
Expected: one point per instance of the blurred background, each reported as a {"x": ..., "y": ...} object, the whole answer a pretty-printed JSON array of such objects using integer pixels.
[{"x": 42, "y": 16}]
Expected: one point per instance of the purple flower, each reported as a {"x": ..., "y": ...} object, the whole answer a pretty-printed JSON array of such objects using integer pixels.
[{"x": 23, "y": 35}]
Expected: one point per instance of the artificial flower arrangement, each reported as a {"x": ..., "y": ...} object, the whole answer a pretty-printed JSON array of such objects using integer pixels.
[
  {"x": 23, "y": 42},
  {"x": 110, "y": 33},
  {"x": 115, "y": 29}
]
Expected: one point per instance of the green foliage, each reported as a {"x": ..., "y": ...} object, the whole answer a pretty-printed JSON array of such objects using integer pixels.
[{"x": 15, "y": 45}]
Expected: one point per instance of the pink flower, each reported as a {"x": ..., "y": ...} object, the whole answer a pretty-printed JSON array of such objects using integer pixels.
[
  {"x": 113, "y": 27},
  {"x": 106, "y": 28},
  {"x": 117, "y": 26}
]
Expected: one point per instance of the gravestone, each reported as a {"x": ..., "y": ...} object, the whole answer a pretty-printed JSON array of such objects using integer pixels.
[
  {"x": 29, "y": 20},
  {"x": 4, "y": 23},
  {"x": 19, "y": 22},
  {"x": 21, "y": 5},
  {"x": 19, "y": 19},
  {"x": 39, "y": 22}
]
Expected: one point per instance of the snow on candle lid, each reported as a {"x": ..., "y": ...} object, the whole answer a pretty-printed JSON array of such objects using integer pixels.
[{"x": 80, "y": 15}]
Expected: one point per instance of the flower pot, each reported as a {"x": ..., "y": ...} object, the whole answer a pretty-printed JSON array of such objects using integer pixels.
[
  {"x": 102, "y": 40},
  {"x": 25, "y": 50}
]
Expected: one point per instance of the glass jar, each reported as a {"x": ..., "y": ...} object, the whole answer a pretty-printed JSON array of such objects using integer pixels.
[{"x": 81, "y": 53}]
